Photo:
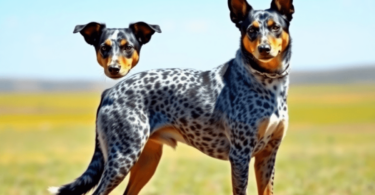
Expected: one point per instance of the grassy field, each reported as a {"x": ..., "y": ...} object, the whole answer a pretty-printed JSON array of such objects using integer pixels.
[{"x": 47, "y": 140}]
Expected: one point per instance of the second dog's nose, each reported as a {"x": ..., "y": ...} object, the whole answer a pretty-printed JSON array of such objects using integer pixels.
[
  {"x": 114, "y": 69},
  {"x": 264, "y": 49}
]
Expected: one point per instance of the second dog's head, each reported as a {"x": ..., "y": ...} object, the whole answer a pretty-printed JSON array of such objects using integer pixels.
[{"x": 117, "y": 49}]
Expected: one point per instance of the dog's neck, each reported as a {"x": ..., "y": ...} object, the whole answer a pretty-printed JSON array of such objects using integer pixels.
[{"x": 268, "y": 80}]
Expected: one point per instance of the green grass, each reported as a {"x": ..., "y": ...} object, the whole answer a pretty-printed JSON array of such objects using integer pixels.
[
  {"x": 322, "y": 104},
  {"x": 47, "y": 139}
]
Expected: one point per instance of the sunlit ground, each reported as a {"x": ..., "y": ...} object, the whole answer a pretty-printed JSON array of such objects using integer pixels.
[{"x": 48, "y": 139}]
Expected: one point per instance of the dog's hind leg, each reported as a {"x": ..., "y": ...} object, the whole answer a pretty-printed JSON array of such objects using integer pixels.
[
  {"x": 145, "y": 167},
  {"x": 123, "y": 141},
  {"x": 119, "y": 163}
]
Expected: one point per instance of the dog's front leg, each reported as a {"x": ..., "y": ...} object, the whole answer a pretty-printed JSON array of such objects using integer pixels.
[
  {"x": 239, "y": 161},
  {"x": 265, "y": 161}
]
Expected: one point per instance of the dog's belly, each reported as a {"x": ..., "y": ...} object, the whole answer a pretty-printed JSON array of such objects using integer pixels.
[{"x": 209, "y": 141}]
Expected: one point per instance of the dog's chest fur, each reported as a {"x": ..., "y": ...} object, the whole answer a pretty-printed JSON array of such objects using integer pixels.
[{"x": 203, "y": 109}]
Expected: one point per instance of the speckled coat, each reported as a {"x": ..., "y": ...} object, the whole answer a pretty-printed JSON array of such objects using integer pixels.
[{"x": 229, "y": 113}]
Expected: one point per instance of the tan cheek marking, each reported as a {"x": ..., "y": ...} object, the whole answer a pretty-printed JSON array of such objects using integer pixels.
[
  {"x": 125, "y": 63},
  {"x": 108, "y": 42},
  {"x": 250, "y": 46},
  {"x": 275, "y": 43},
  {"x": 123, "y": 42},
  {"x": 103, "y": 61},
  {"x": 135, "y": 58},
  {"x": 285, "y": 40}
]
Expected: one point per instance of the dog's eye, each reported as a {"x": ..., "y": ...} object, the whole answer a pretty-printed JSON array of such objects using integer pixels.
[
  {"x": 252, "y": 30},
  {"x": 275, "y": 28},
  {"x": 128, "y": 47},
  {"x": 104, "y": 48}
]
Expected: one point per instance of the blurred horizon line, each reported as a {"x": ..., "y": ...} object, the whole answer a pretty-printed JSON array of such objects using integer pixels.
[{"x": 346, "y": 75}]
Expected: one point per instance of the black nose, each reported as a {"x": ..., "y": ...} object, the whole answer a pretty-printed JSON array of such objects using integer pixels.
[
  {"x": 114, "y": 69},
  {"x": 264, "y": 49}
]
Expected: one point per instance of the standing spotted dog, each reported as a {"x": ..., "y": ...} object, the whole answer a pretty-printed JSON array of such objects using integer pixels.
[{"x": 235, "y": 112}]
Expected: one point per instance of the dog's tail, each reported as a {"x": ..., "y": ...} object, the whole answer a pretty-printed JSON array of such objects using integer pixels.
[{"x": 89, "y": 179}]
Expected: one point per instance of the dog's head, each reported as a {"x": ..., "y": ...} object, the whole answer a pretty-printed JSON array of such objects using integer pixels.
[
  {"x": 117, "y": 49},
  {"x": 264, "y": 33}
]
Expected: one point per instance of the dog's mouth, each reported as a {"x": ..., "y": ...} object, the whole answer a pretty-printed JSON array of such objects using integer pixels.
[
  {"x": 267, "y": 57},
  {"x": 116, "y": 74}
]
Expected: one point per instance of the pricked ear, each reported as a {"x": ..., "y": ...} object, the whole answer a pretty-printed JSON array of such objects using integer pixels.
[
  {"x": 91, "y": 31},
  {"x": 238, "y": 10},
  {"x": 284, "y": 7},
  {"x": 144, "y": 31}
]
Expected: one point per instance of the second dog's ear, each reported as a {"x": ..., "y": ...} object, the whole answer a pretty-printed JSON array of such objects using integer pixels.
[
  {"x": 91, "y": 31},
  {"x": 238, "y": 10},
  {"x": 144, "y": 31},
  {"x": 285, "y": 7}
]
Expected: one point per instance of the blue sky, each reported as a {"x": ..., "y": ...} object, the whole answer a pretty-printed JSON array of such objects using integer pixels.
[{"x": 37, "y": 40}]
